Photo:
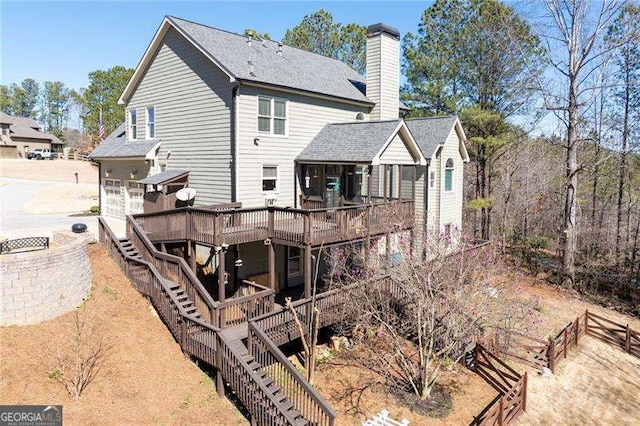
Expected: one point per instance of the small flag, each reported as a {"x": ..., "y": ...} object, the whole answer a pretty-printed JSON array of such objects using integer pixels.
[{"x": 101, "y": 132}]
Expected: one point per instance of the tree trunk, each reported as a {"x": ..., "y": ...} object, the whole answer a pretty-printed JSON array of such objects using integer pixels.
[
  {"x": 571, "y": 200},
  {"x": 623, "y": 158}
]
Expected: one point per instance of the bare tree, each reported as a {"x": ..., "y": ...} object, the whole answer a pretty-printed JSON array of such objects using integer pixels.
[
  {"x": 573, "y": 36},
  {"x": 413, "y": 316},
  {"x": 79, "y": 356}
]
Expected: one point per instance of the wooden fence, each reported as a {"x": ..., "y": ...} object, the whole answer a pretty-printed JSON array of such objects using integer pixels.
[
  {"x": 613, "y": 333},
  {"x": 538, "y": 353},
  {"x": 511, "y": 386}
]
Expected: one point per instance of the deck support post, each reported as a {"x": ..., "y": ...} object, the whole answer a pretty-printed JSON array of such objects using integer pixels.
[
  {"x": 369, "y": 173},
  {"x": 308, "y": 272},
  {"x": 221, "y": 285},
  {"x": 272, "y": 265},
  {"x": 387, "y": 248},
  {"x": 192, "y": 255}
]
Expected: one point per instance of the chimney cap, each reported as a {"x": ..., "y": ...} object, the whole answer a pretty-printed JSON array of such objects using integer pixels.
[{"x": 380, "y": 28}]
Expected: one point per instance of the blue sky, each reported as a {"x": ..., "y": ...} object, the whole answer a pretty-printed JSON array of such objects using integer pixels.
[{"x": 64, "y": 41}]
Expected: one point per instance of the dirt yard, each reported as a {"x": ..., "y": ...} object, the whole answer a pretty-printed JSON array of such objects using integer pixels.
[
  {"x": 146, "y": 379},
  {"x": 597, "y": 384},
  {"x": 49, "y": 171},
  {"x": 349, "y": 392},
  {"x": 63, "y": 198}
]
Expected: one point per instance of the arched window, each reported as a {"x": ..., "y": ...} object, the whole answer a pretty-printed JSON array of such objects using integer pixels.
[
  {"x": 448, "y": 175},
  {"x": 359, "y": 116}
]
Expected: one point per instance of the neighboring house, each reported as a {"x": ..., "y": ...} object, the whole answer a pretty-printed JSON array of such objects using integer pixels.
[
  {"x": 21, "y": 135},
  {"x": 260, "y": 123}
]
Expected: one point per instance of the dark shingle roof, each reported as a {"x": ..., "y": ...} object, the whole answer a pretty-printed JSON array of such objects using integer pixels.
[
  {"x": 259, "y": 62},
  {"x": 430, "y": 132},
  {"x": 116, "y": 146},
  {"x": 164, "y": 176},
  {"x": 356, "y": 142},
  {"x": 25, "y": 127}
]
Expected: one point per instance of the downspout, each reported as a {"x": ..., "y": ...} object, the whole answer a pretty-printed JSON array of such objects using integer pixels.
[
  {"x": 427, "y": 182},
  {"x": 100, "y": 188},
  {"x": 234, "y": 142}
]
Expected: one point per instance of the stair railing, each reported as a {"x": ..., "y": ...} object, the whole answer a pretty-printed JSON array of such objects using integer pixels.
[
  {"x": 175, "y": 268},
  {"x": 250, "y": 388},
  {"x": 294, "y": 386}
]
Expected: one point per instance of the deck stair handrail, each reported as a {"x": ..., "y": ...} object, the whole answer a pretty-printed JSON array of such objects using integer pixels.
[
  {"x": 196, "y": 336},
  {"x": 178, "y": 268},
  {"x": 171, "y": 310},
  {"x": 249, "y": 387},
  {"x": 297, "y": 389}
]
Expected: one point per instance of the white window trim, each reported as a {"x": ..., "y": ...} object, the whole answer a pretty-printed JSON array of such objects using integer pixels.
[
  {"x": 146, "y": 122},
  {"x": 272, "y": 117},
  {"x": 453, "y": 177},
  {"x": 131, "y": 138},
  {"x": 277, "y": 188}
]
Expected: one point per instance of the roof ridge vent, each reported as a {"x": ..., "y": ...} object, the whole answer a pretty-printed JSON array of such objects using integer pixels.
[{"x": 279, "y": 51}]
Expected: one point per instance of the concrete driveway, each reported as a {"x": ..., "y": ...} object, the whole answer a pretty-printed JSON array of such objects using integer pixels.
[{"x": 16, "y": 223}]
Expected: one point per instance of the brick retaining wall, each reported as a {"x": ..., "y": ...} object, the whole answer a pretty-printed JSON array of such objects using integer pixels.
[{"x": 40, "y": 285}]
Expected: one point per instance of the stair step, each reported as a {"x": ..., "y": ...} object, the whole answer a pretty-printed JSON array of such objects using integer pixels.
[
  {"x": 286, "y": 406},
  {"x": 254, "y": 365},
  {"x": 248, "y": 357},
  {"x": 268, "y": 381},
  {"x": 274, "y": 388},
  {"x": 295, "y": 413},
  {"x": 280, "y": 397},
  {"x": 191, "y": 310},
  {"x": 301, "y": 422}
]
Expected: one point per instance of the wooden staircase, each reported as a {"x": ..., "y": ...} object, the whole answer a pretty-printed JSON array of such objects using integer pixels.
[
  {"x": 225, "y": 349},
  {"x": 255, "y": 367}
]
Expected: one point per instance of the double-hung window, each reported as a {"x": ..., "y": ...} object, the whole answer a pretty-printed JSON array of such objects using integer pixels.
[
  {"x": 269, "y": 178},
  {"x": 151, "y": 122},
  {"x": 272, "y": 116},
  {"x": 448, "y": 175},
  {"x": 133, "y": 124}
]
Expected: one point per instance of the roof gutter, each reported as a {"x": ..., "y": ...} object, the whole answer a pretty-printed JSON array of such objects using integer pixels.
[{"x": 309, "y": 93}]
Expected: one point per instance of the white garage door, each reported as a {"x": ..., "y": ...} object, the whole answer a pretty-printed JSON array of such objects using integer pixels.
[
  {"x": 135, "y": 197},
  {"x": 113, "y": 199}
]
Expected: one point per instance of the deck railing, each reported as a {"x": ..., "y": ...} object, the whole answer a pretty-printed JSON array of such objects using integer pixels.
[
  {"x": 284, "y": 225},
  {"x": 174, "y": 268},
  {"x": 287, "y": 377},
  {"x": 197, "y": 337},
  {"x": 257, "y": 301}
]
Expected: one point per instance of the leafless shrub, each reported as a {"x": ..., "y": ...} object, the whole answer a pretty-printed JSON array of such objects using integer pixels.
[
  {"x": 421, "y": 309},
  {"x": 79, "y": 355}
]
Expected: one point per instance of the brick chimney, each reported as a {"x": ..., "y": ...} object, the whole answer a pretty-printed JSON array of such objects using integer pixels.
[{"x": 383, "y": 71}]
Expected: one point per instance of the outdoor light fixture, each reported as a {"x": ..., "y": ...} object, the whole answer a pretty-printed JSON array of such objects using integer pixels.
[
  {"x": 134, "y": 174},
  {"x": 256, "y": 140},
  {"x": 107, "y": 172}
]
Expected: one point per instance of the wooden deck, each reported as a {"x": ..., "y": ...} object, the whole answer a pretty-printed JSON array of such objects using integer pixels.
[{"x": 293, "y": 227}]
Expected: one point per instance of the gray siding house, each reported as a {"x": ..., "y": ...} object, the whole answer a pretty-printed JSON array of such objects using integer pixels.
[{"x": 260, "y": 123}]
